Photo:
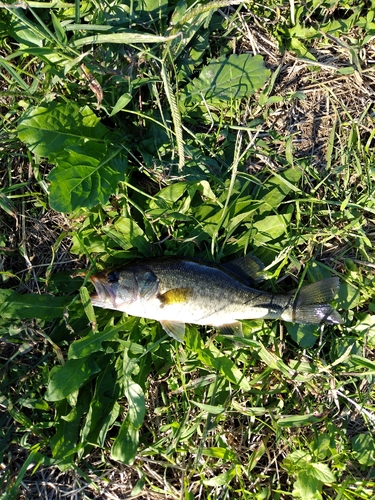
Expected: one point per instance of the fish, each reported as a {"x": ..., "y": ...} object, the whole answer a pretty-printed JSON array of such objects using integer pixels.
[{"x": 178, "y": 290}]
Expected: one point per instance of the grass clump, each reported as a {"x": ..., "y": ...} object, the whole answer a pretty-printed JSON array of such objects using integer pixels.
[{"x": 206, "y": 129}]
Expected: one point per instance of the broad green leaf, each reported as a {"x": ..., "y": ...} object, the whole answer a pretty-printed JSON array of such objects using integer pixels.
[
  {"x": 214, "y": 410},
  {"x": 224, "y": 478},
  {"x": 169, "y": 194},
  {"x": 273, "y": 192},
  {"x": 364, "y": 449},
  {"x": 133, "y": 234},
  {"x": 213, "y": 358},
  {"x": 93, "y": 342},
  {"x": 221, "y": 453},
  {"x": 348, "y": 296},
  {"x": 300, "y": 49},
  {"x": 271, "y": 227},
  {"x": 298, "y": 420},
  {"x": 64, "y": 442},
  {"x": 48, "y": 130},
  {"x": 104, "y": 408},
  {"x": 322, "y": 472},
  {"x": 122, "y": 101},
  {"x": 296, "y": 460},
  {"x": 125, "y": 445},
  {"x": 304, "y": 335},
  {"x": 136, "y": 401},
  {"x": 25, "y": 31},
  {"x": 206, "y": 190},
  {"x": 307, "y": 487},
  {"x": 225, "y": 79},
  {"x": 69, "y": 378},
  {"x": 14, "y": 305},
  {"x": 147, "y": 10},
  {"x": 85, "y": 176},
  {"x": 126, "y": 37}
]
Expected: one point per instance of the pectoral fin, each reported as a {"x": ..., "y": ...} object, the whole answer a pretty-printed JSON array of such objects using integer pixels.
[
  {"x": 148, "y": 284},
  {"x": 174, "y": 329}
]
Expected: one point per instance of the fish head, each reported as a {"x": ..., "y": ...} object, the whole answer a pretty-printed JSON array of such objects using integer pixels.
[{"x": 114, "y": 289}]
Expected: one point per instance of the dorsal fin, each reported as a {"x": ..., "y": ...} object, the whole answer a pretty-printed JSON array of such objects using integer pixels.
[{"x": 248, "y": 268}]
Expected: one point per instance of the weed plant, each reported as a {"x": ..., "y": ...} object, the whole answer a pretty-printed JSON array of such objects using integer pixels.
[{"x": 208, "y": 129}]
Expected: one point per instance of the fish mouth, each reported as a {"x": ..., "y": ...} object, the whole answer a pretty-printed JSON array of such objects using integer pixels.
[{"x": 105, "y": 295}]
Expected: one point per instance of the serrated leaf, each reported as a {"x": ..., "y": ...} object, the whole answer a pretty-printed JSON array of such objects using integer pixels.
[
  {"x": 86, "y": 176},
  {"x": 48, "y": 130},
  {"x": 69, "y": 378},
  {"x": 225, "y": 79}
]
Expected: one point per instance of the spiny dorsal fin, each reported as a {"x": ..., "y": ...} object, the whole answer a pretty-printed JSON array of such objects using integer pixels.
[{"x": 248, "y": 268}]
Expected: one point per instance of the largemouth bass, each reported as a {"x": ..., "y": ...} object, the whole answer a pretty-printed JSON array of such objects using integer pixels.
[{"x": 176, "y": 291}]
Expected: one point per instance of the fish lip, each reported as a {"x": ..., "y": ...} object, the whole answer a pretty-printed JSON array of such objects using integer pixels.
[{"x": 104, "y": 291}]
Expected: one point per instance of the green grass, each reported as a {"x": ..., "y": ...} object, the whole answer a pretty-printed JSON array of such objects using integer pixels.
[{"x": 206, "y": 129}]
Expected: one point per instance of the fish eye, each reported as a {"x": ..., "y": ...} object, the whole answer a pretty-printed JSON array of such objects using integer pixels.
[{"x": 113, "y": 277}]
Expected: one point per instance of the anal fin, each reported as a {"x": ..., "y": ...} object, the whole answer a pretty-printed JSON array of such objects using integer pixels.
[{"x": 234, "y": 329}]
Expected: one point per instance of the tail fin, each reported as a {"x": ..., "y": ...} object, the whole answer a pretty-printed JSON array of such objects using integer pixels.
[{"x": 311, "y": 306}]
